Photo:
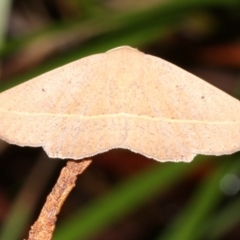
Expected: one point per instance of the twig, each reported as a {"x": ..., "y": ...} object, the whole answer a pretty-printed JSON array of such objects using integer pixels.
[{"x": 43, "y": 228}]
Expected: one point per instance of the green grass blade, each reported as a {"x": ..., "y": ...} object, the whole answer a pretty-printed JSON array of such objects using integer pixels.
[
  {"x": 228, "y": 216},
  {"x": 125, "y": 199},
  {"x": 5, "y": 6},
  {"x": 206, "y": 198}
]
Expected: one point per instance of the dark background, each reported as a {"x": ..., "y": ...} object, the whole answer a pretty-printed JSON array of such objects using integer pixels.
[{"x": 122, "y": 195}]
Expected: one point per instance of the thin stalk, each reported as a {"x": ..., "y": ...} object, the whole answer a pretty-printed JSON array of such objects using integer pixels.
[{"x": 43, "y": 228}]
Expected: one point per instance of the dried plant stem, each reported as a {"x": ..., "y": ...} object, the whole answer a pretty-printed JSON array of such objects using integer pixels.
[{"x": 43, "y": 228}]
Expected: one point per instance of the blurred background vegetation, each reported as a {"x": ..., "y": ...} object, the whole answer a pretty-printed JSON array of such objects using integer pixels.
[{"x": 122, "y": 196}]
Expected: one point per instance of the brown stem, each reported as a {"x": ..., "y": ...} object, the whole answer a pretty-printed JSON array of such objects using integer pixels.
[{"x": 43, "y": 228}]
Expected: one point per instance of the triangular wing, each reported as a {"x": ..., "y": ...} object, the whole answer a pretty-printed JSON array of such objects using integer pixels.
[{"x": 121, "y": 99}]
